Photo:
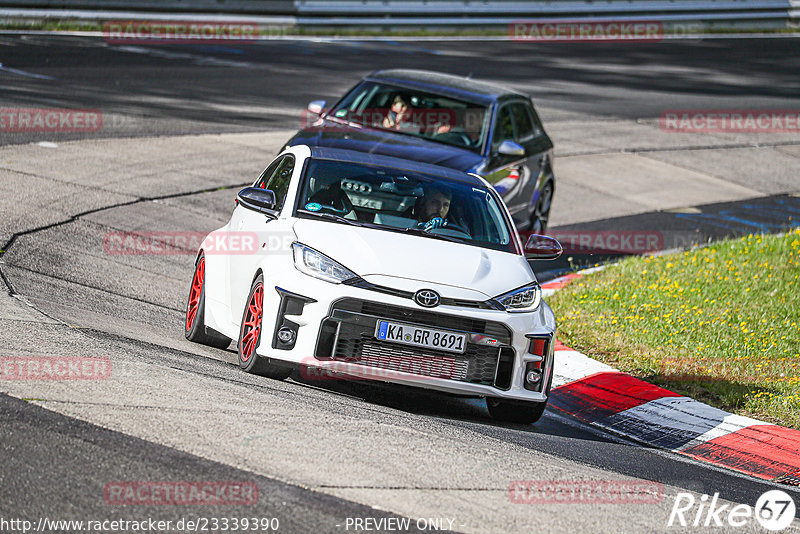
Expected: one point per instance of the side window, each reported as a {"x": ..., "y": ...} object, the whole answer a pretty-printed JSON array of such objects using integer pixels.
[
  {"x": 537, "y": 122},
  {"x": 523, "y": 122},
  {"x": 277, "y": 178},
  {"x": 504, "y": 129}
]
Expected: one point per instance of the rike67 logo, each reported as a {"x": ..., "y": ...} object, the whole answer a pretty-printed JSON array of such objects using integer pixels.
[{"x": 774, "y": 510}]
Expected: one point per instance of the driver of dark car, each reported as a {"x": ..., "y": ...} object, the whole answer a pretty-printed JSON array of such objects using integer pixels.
[
  {"x": 432, "y": 208},
  {"x": 398, "y": 114}
]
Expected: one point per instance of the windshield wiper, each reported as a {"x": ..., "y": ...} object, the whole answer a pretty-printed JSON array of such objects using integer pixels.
[
  {"x": 420, "y": 231},
  {"x": 331, "y": 217}
]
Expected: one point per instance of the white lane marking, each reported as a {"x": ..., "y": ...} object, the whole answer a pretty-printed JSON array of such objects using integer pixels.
[
  {"x": 194, "y": 58},
  {"x": 23, "y": 73},
  {"x": 571, "y": 365},
  {"x": 47, "y": 144}
]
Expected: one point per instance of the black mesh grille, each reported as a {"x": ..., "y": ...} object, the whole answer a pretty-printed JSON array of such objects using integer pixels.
[
  {"x": 355, "y": 343},
  {"x": 478, "y": 365}
]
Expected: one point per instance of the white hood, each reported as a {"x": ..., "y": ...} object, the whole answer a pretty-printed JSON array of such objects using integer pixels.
[{"x": 411, "y": 262}]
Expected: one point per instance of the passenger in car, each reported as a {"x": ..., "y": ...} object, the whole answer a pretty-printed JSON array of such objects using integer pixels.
[{"x": 398, "y": 114}]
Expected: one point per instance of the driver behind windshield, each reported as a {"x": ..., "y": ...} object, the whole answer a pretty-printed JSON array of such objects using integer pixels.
[
  {"x": 432, "y": 208},
  {"x": 398, "y": 114}
]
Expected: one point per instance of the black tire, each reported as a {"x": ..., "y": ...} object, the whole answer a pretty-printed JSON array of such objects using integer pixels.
[
  {"x": 541, "y": 213},
  {"x": 525, "y": 413},
  {"x": 250, "y": 337},
  {"x": 522, "y": 412},
  {"x": 194, "y": 325}
]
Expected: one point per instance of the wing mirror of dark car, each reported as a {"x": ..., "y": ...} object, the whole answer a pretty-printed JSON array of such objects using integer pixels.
[
  {"x": 316, "y": 107},
  {"x": 257, "y": 199},
  {"x": 542, "y": 247},
  {"x": 510, "y": 148}
]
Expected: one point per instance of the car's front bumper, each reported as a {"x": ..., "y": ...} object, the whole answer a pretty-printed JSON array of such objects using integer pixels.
[{"x": 334, "y": 327}]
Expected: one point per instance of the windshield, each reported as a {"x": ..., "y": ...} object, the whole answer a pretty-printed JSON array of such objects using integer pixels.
[
  {"x": 408, "y": 111},
  {"x": 404, "y": 201}
]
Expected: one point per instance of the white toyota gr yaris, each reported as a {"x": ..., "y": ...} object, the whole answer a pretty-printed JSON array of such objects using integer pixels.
[{"x": 343, "y": 263}]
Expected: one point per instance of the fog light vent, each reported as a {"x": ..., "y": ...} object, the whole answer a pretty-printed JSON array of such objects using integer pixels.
[
  {"x": 533, "y": 377},
  {"x": 286, "y": 336}
]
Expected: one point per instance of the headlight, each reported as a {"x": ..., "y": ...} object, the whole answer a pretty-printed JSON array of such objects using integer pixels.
[
  {"x": 524, "y": 299},
  {"x": 313, "y": 263}
]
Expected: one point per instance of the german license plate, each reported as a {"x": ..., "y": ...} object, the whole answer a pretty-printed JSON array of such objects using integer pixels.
[{"x": 421, "y": 337}]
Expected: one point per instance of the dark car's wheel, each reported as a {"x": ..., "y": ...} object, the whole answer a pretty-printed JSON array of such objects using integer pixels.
[
  {"x": 250, "y": 336},
  {"x": 194, "y": 326},
  {"x": 522, "y": 412},
  {"x": 541, "y": 213}
]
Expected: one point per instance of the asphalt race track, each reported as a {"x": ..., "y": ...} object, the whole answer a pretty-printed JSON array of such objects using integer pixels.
[{"x": 184, "y": 127}]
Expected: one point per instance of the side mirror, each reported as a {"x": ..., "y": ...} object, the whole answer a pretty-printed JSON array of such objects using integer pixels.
[
  {"x": 316, "y": 107},
  {"x": 257, "y": 199},
  {"x": 510, "y": 148},
  {"x": 542, "y": 247}
]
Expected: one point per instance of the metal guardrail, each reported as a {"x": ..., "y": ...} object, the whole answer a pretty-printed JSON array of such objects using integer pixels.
[
  {"x": 432, "y": 13},
  {"x": 479, "y": 12},
  {"x": 526, "y": 8},
  {"x": 255, "y": 7}
]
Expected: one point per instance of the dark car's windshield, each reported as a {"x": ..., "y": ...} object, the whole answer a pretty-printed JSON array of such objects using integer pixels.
[
  {"x": 409, "y": 111},
  {"x": 404, "y": 201}
]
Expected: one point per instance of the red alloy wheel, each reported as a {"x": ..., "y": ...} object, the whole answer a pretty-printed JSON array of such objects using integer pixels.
[
  {"x": 194, "y": 294},
  {"x": 251, "y": 327}
]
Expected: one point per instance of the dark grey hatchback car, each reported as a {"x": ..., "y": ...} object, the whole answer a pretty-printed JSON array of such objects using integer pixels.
[{"x": 455, "y": 122}]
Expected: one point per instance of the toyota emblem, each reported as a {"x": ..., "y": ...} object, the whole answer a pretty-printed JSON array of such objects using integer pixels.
[{"x": 427, "y": 298}]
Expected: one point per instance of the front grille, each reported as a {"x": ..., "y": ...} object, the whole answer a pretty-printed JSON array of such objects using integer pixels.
[
  {"x": 433, "y": 319},
  {"x": 407, "y": 360},
  {"x": 478, "y": 365},
  {"x": 350, "y": 337}
]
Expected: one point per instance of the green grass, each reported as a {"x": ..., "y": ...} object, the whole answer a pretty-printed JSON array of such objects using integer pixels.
[{"x": 720, "y": 323}]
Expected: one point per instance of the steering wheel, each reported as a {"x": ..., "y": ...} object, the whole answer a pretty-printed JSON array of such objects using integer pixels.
[
  {"x": 454, "y": 137},
  {"x": 451, "y": 227},
  {"x": 456, "y": 227}
]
